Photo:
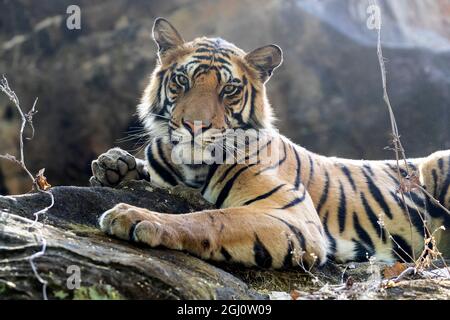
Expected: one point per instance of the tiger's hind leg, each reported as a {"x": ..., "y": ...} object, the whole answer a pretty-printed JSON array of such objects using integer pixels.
[{"x": 435, "y": 177}]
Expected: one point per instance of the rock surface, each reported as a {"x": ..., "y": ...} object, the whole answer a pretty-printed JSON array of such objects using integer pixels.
[
  {"x": 108, "y": 268},
  {"x": 113, "y": 269},
  {"x": 327, "y": 94}
]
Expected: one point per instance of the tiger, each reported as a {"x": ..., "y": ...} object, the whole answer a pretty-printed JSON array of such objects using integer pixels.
[{"x": 298, "y": 208}]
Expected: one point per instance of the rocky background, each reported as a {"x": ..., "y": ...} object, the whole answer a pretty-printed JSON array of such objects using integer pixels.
[{"x": 327, "y": 95}]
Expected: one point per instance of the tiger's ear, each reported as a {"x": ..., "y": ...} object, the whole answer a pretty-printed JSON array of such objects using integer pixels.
[
  {"x": 165, "y": 35},
  {"x": 265, "y": 60}
]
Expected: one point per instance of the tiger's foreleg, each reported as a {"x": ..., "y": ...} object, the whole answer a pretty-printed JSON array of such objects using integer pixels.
[{"x": 251, "y": 235}]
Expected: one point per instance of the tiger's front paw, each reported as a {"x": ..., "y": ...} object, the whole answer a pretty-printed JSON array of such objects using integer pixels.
[
  {"x": 138, "y": 225},
  {"x": 117, "y": 165}
]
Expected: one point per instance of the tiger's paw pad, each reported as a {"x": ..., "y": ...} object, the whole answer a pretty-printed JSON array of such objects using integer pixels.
[{"x": 115, "y": 166}]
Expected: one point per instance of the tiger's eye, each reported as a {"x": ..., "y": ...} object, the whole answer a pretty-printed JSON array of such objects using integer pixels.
[
  {"x": 229, "y": 89},
  {"x": 182, "y": 80}
]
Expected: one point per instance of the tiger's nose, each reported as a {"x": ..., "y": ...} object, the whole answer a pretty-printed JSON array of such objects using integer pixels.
[{"x": 197, "y": 126}]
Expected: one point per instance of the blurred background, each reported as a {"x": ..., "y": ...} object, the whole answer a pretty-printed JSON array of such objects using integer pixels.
[{"x": 327, "y": 95}]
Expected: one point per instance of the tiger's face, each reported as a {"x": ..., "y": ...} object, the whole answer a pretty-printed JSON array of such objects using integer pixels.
[{"x": 202, "y": 91}]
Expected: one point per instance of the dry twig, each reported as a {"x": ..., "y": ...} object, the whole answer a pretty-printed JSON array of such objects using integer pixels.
[
  {"x": 39, "y": 181},
  {"x": 411, "y": 180}
]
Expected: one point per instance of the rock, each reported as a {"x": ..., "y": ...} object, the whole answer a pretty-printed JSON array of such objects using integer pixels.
[
  {"x": 109, "y": 268},
  {"x": 81, "y": 205}
]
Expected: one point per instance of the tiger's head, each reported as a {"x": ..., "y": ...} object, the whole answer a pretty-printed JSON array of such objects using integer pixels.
[{"x": 202, "y": 88}]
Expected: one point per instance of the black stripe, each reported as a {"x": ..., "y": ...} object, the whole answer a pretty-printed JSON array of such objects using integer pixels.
[
  {"x": 226, "y": 172},
  {"x": 234, "y": 102},
  {"x": 412, "y": 166},
  {"x": 212, "y": 57},
  {"x": 187, "y": 65},
  {"x": 294, "y": 202},
  {"x": 369, "y": 169},
  {"x": 225, "y": 54},
  {"x": 159, "y": 169},
  {"x": 360, "y": 251},
  {"x": 211, "y": 172},
  {"x": 287, "y": 261},
  {"x": 415, "y": 216},
  {"x": 173, "y": 91},
  {"x": 225, "y": 254},
  {"x": 378, "y": 196},
  {"x": 252, "y": 104},
  {"x": 218, "y": 75},
  {"x": 417, "y": 199},
  {"x": 436, "y": 211},
  {"x": 297, "y": 170},
  {"x": 392, "y": 177},
  {"x": 244, "y": 103},
  {"x": 161, "y": 75},
  {"x": 298, "y": 234},
  {"x": 227, "y": 188},
  {"x": 225, "y": 68},
  {"x": 311, "y": 170},
  {"x": 434, "y": 176},
  {"x": 202, "y": 57},
  {"x": 342, "y": 210},
  {"x": 324, "y": 196},
  {"x": 372, "y": 217},
  {"x": 199, "y": 50},
  {"x": 165, "y": 161},
  {"x": 444, "y": 187},
  {"x": 265, "y": 195},
  {"x": 279, "y": 163},
  {"x": 403, "y": 244},
  {"x": 349, "y": 176},
  {"x": 200, "y": 68},
  {"x": 268, "y": 143},
  {"x": 363, "y": 235},
  {"x": 132, "y": 229},
  {"x": 394, "y": 168},
  {"x": 166, "y": 102},
  {"x": 331, "y": 239},
  {"x": 441, "y": 165},
  {"x": 262, "y": 255},
  {"x": 222, "y": 60}
]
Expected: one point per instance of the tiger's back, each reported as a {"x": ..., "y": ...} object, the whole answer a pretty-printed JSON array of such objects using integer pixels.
[{"x": 365, "y": 213}]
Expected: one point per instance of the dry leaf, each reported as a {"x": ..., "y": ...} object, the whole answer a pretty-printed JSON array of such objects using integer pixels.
[
  {"x": 394, "y": 271},
  {"x": 349, "y": 283},
  {"x": 41, "y": 181},
  {"x": 295, "y": 294},
  {"x": 390, "y": 284},
  {"x": 409, "y": 183}
]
